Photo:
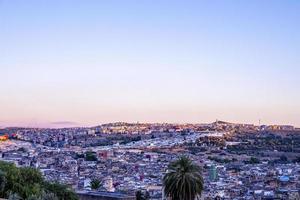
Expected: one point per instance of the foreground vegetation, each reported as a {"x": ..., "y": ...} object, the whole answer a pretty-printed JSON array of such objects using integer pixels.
[
  {"x": 28, "y": 184},
  {"x": 183, "y": 180}
]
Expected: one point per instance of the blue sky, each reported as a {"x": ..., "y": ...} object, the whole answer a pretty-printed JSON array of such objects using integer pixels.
[{"x": 92, "y": 62}]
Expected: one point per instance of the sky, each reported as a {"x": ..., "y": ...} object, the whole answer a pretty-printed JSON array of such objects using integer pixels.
[{"x": 83, "y": 63}]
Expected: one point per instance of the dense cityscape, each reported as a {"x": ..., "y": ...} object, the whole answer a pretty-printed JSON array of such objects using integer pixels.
[
  {"x": 238, "y": 161},
  {"x": 149, "y": 100}
]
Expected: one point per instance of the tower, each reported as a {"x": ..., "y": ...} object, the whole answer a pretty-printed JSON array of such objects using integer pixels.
[{"x": 213, "y": 174}]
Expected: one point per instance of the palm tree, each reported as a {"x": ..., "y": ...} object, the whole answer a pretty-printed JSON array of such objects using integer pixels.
[
  {"x": 183, "y": 180},
  {"x": 95, "y": 184},
  {"x": 139, "y": 195}
]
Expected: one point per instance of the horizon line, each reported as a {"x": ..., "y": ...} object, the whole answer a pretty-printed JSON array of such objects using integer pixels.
[{"x": 56, "y": 125}]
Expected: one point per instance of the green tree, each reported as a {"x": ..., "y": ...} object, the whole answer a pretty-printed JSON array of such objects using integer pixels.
[
  {"x": 12, "y": 176},
  {"x": 28, "y": 183},
  {"x": 2, "y": 182},
  {"x": 90, "y": 156},
  {"x": 22, "y": 149},
  {"x": 32, "y": 181},
  {"x": 78, "y": 155},
  {"x": 63, "y": 192},
  {"x": 147, "y": 195},
  {"x": 183, "y": 180},
  {"x": 139, "y": 195},
  {"x": 95, "y": 184},
  {"x": 252, "y": 160},
  {"x": 283, "y": 159}
]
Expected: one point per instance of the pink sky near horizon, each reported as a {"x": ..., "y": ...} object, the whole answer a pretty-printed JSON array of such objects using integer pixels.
[
  {"x": 151, "y": 61},
  {"x": 178, "y": 116}
]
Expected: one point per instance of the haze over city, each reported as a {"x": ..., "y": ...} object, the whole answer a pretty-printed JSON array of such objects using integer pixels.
[{"x": 83, "y": 63}]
